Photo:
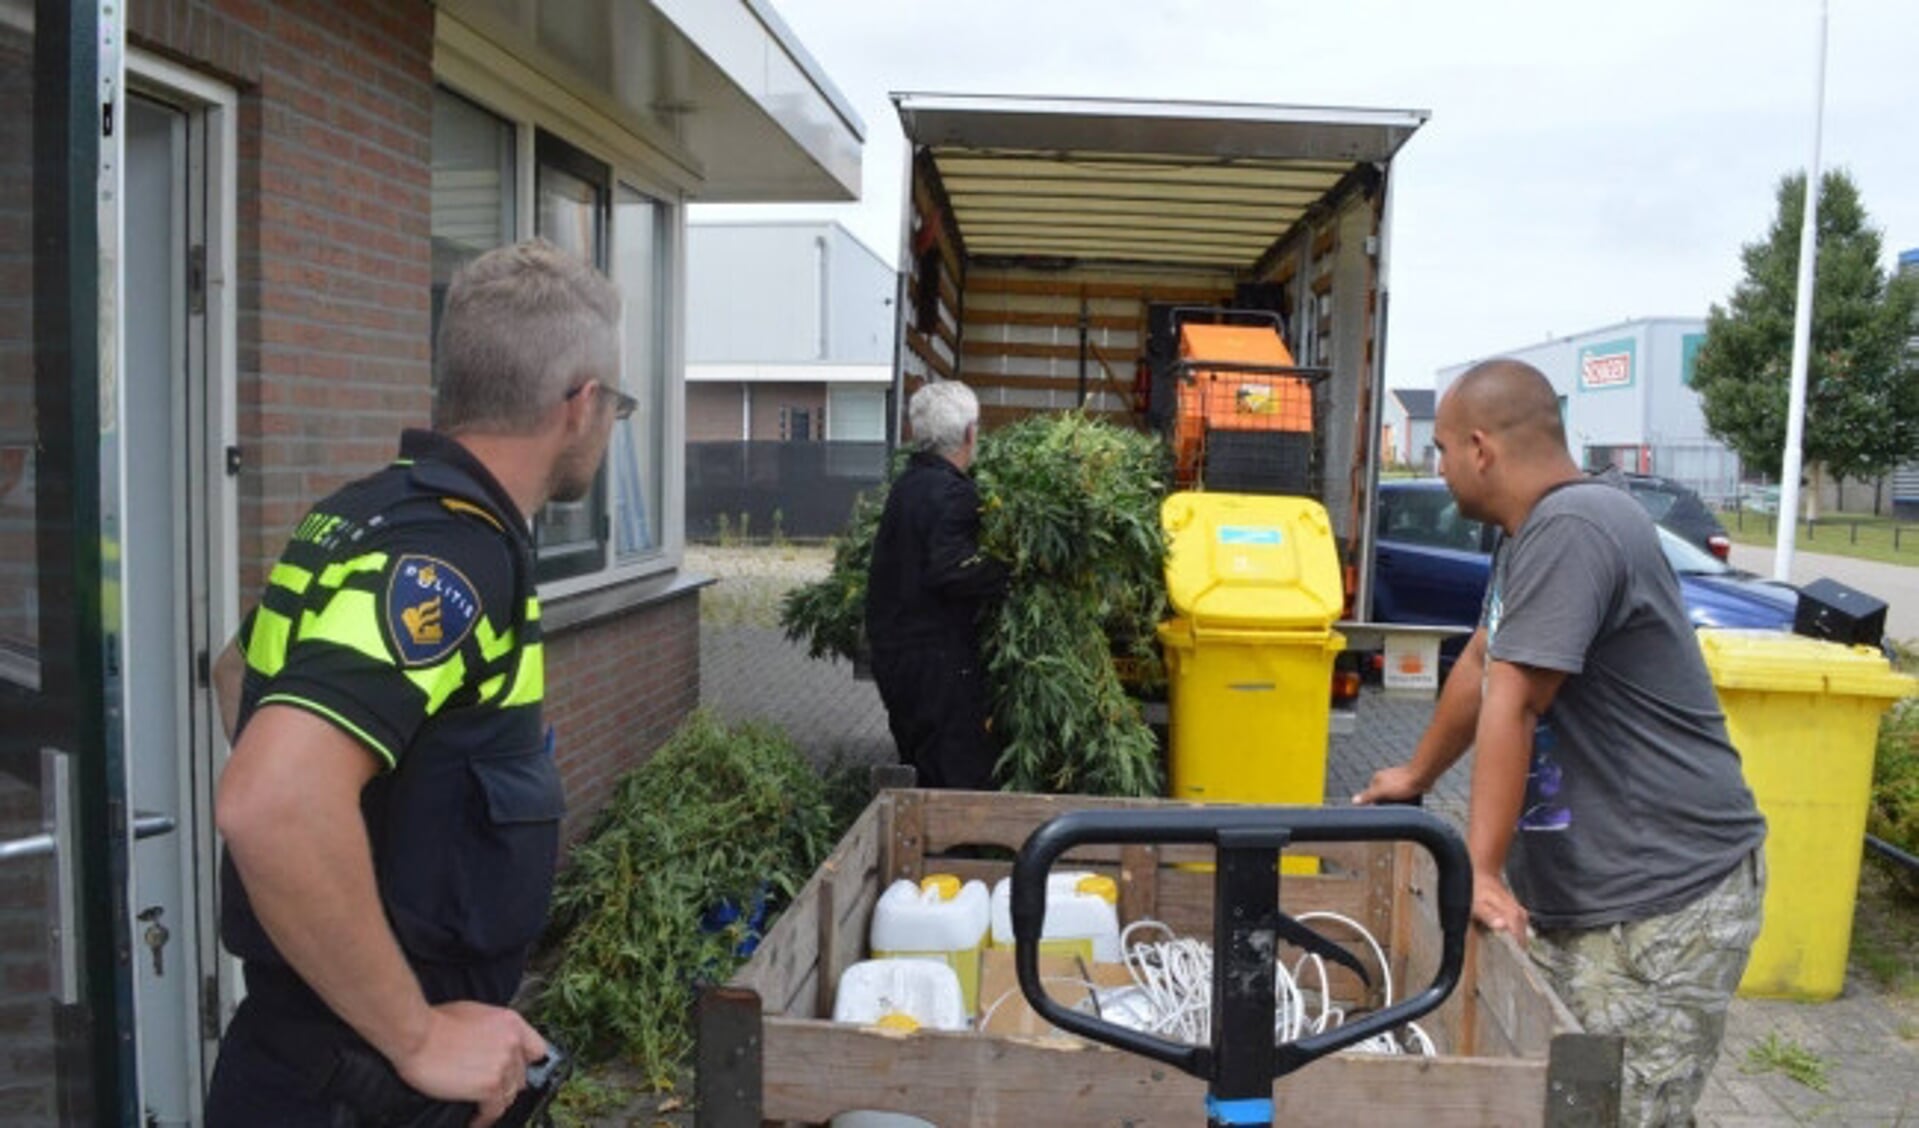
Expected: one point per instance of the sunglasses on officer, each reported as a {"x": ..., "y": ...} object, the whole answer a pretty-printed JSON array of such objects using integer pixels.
[{"x": 623, "y": 404}]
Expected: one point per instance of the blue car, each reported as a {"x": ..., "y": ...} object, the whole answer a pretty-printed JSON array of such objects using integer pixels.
[{"x": 1431, "y": 566}]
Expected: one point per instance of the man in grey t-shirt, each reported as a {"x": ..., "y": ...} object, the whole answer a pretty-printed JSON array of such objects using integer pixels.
[{"x": 1609, "y": 819}]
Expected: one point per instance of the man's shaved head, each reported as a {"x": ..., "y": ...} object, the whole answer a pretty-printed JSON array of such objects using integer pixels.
[
  {"x": 1512, "y": 399},
  {"x": 1500, "y": 441}
]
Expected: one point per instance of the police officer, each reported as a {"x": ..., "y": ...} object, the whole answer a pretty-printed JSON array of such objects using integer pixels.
[{"x": 391, "y": 808}]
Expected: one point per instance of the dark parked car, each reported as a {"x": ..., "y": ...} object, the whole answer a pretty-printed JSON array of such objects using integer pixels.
[
  {"x": 1431, "y": 566},
  {"x": 1678, "y": 508}
]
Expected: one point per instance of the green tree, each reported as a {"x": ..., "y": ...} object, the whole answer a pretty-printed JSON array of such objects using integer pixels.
[{"x": 1862, "y": 391}]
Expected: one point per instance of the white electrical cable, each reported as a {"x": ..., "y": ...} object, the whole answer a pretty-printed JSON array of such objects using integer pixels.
[
  {"x": 987, "y": 1014},
  {"x": 1172, "y": 988}
]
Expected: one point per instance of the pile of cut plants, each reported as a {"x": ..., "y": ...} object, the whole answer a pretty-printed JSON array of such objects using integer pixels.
[
  {"x": 690, "y": 861},
  {"x": 1071, "y": 505}
]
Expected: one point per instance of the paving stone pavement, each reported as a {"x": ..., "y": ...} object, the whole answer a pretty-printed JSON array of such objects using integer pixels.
[
  {"x": 1868, "y": 1040},
  {"x": 753, "y": 673}
]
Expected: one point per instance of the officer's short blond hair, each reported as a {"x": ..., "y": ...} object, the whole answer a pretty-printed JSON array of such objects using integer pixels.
[{"x": 524, "y": 324}]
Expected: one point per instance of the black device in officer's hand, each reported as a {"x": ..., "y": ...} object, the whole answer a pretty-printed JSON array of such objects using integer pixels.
[
  {"x": 543, "y": 1080},
  {"x": 371, "y": 1094}
]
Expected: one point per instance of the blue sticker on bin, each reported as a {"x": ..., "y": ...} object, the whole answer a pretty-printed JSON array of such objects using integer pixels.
[{"x": 1249, "y": 534}]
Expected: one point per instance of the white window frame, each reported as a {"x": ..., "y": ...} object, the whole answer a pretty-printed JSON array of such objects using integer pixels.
[{"x": 475, "y": 69}]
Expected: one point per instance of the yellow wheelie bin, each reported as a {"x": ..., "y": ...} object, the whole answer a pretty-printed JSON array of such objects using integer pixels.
[
  {"x": 1804, "y": 715},
  {"x": 1255, "y": 585}
]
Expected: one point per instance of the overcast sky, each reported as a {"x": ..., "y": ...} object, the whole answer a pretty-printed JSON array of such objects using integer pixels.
[{"x": 1585, "y": 163}]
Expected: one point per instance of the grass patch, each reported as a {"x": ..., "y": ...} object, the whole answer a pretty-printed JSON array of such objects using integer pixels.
[
  {"x": 752, "y": 580},
  {"x": 1860, "y": 536},
  {"x": 584, "y": 1099},
  {"x": 1885, "y": 930},
  {"x": 1783, "y": 1055}
]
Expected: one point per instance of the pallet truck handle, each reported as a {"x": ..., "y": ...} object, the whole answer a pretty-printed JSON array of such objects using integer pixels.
[{"x": 1230, "y": 828}]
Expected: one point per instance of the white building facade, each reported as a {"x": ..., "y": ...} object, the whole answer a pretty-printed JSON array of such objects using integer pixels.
[{"x": 1625, "y": 394}]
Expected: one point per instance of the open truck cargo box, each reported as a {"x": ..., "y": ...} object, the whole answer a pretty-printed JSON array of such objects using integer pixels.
[{"x": 1045, "y": 237}]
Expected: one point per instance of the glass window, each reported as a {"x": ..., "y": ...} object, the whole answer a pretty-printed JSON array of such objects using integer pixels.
[
  {"x": 20, "y": 440},
  {"x": 580, "y": 206},
  {"x": 1658, "y": 502},
  {"x": 475, "y": 206},
  {"x": 796, "y": 424},
  {"x": 572, "y": 214},
  {"x": 640, "y": 258},
  {"x": 1427, "y": 517},
  {"x": 856, "y": 415}
]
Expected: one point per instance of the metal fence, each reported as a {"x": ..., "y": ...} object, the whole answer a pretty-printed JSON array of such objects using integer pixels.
[
  {"x": 797, "y": 489},
  {"x": 1709, "y": 469}
]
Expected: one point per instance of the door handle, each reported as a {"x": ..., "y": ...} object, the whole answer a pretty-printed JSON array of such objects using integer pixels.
[
  {"x": 57, "y": 842},
  {"x": 146, "y": 824}
]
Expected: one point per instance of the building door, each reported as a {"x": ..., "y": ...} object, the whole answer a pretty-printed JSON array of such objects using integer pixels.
[
  {"x": 168, "y": 407},
  {"x": 64, "y": 831}
]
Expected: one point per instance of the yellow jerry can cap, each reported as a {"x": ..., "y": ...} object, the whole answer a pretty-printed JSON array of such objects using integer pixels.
[
  {"x": 1098, "y": 885},
  {"x": 945, "y": 886},
  {"x": 1788, "y": 663},
  {"x": 897, "y": 1021}
]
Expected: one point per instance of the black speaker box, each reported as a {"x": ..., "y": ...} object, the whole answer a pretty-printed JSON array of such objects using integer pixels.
[{"x": 1830, "y": 610}]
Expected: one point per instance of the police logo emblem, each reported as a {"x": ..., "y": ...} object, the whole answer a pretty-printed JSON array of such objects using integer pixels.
[{"x": 430, "y": 608}]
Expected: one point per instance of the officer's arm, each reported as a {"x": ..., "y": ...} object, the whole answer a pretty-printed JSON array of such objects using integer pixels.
[
  {"x": 289, "y": 807},
  {"x": 229, "y": 676}
]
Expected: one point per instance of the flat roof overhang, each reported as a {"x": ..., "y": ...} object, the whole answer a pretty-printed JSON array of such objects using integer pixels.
[{"x": 722, "y": 86}]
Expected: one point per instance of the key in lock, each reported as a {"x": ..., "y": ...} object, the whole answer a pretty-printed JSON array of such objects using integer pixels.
[{"x": 156, "y": 936}]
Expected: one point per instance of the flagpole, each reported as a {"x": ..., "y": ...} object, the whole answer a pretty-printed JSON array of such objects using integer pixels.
[{"x": 1801, "y": 331}]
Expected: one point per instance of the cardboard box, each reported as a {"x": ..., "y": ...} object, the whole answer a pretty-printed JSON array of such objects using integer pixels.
[{"x": 1064, "y": 977}]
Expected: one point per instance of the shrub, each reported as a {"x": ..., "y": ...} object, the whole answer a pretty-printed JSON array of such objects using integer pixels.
[{"x": 718, "y": 816}]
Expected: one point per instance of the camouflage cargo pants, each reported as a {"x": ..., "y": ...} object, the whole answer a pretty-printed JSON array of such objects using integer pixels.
[{"x": 1664, "y": 983}]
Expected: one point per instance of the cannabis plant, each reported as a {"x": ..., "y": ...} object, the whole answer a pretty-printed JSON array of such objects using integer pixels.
[
  {"x": 722, "y": 825},
  {"x": 1072, "y": 505}
]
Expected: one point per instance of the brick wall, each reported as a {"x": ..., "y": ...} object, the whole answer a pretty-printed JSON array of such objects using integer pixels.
[
  {"x": 335, "y": 278},
  {"x": 27, "y": 1095},
  {"x": 335, "y": 138},
  {"x": 614, "y": 692}
]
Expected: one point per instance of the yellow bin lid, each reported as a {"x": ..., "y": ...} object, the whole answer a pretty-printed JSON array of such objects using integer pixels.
[
  {"x": 1252, "y": 562},
  {"x": 1790, "y": 663}
]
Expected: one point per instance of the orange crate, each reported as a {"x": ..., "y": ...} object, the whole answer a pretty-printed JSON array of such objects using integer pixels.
[{"x": 1225, "y": 400}]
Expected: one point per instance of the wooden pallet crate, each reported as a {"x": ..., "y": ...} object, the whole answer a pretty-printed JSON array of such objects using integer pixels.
[{"x": 1511, "y": 1054}]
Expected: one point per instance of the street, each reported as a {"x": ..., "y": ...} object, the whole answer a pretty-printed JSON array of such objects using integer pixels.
[{"x": 1897, "y": 584}]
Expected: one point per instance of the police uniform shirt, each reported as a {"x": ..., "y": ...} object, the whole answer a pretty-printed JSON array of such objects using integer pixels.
[{"x": 403, "y": 613}]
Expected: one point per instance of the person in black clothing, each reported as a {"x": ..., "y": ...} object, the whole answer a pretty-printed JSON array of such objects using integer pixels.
[{"x": 927, "y": 585}]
